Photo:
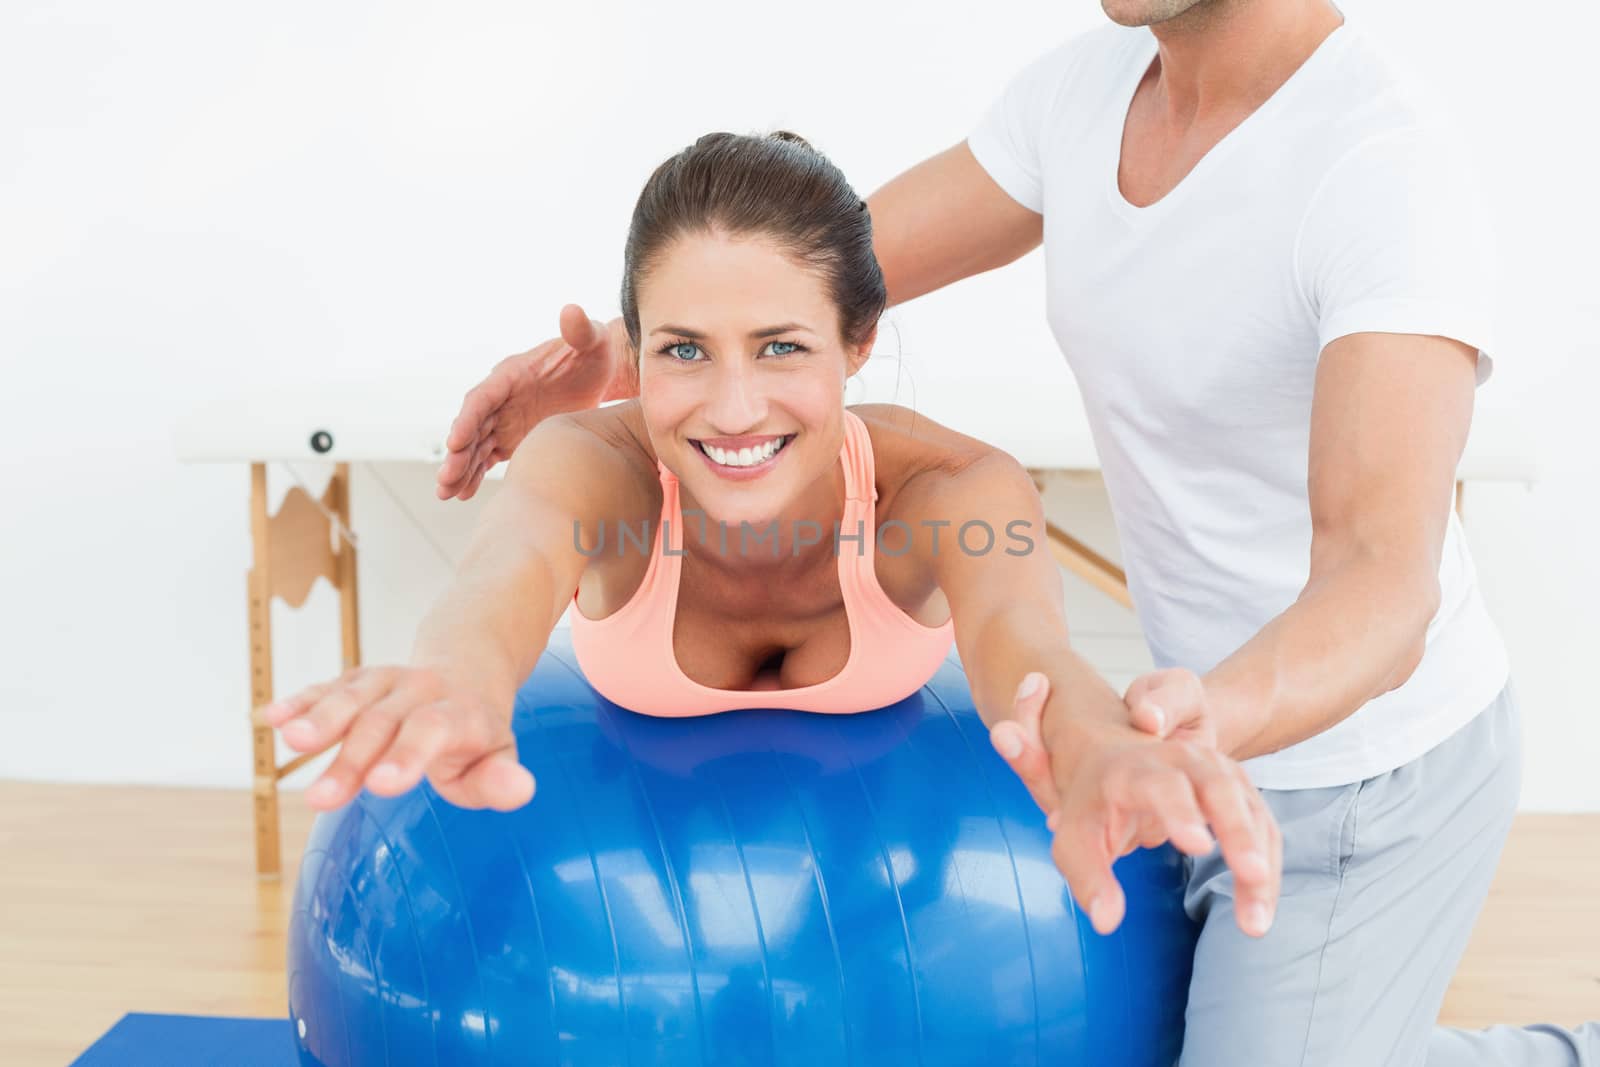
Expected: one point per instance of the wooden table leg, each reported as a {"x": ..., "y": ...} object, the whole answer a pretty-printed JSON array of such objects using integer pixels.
[
  {"x": 265, "y": 760},
  {"x": 291, "y": 550},
  {"x": 349, "y": 612}
]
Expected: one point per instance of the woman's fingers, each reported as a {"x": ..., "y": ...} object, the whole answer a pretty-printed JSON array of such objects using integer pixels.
[
  {"x": 1141, "y": 830},
  {"x": 326, "y": 720},
  {"x": 423, "y": 736},
  {"x": 1226, "y": 800},
  {"x": 1164, "y": 795},
  {"x": 494, "y": 781},
  {"x": 395, "y": 725},
  {"x": 1019, "y": 741},
  {"x": 281, "y": 711},
  {"x": 1245, "y": 831},
  {"x": 1027, "y": 761},
  {"x": 1256, "y": 901},
  {"x": 1080, "y": 853},
  {"x": 367, "y": 738},
  {"x": 1170, "y": 792},
  {"x": 364, "y": 714},
  {"x": 1122, "y": 828}
]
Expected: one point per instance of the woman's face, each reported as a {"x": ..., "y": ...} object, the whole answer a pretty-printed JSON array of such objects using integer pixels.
[{"x": 741, "y": 374}]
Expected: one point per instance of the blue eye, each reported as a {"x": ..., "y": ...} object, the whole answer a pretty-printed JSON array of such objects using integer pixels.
[
  {"x": 789, "y": 347},
  {"x": 675, "y": 351}
]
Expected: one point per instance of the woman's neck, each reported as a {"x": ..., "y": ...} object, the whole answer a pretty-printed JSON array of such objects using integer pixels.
[{"x": 797, "y": 540}]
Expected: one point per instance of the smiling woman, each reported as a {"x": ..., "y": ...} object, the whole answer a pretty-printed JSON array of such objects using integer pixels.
[
  {"x": 775, "y": 578},
  {"x": 750, "y": 295},
  {"x": 750, "y": 292}
]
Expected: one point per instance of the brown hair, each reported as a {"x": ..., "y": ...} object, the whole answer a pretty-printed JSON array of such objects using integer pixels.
[{"x": 777, "y": 186}]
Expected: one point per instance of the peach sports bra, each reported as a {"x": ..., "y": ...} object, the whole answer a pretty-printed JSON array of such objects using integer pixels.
[{"x": 627, "y": 656}]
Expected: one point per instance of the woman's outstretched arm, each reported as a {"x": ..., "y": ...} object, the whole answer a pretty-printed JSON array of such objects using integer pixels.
[
  {"x": 523, "y": 564},
  {"x": 979, "y": 530},
  {"x": 1108, "y": 786},
  {"x": 447, "y": 713}
]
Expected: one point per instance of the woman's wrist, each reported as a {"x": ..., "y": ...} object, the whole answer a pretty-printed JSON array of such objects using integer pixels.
[
  {"x": 467, "y": 665},
  {"x": 1085, "y": 710}
]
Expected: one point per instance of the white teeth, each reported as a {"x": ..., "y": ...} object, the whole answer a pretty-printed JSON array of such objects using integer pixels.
[{"x": 745, "y": 457}]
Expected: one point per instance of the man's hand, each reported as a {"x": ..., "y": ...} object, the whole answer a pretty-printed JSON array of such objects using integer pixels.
[
  {"x": 584, "y": 367},
  {"x": 1109, "y": 787},
  {"x": 1172, "y": 704}
]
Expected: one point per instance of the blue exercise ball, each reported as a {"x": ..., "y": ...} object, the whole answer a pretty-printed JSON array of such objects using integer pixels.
[{"x": 755, "y": 887}]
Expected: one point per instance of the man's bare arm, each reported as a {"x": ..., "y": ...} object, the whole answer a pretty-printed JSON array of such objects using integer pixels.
[
  {"x": 944, "y": 220},
  {"x": 1388, "y": 424}
]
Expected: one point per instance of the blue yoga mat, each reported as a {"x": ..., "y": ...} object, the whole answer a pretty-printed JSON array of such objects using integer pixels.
[{"x": 140, "y": 1040}]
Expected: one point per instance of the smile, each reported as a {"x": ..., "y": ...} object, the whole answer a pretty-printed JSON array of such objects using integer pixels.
[{"x": 743, "y": 457}]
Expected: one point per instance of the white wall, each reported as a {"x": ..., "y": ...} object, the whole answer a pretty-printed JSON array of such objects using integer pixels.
[{"x": 199, "y": 196}]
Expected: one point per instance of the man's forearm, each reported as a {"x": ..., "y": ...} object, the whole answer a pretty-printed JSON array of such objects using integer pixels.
[{"x": 1353, "y": 634}]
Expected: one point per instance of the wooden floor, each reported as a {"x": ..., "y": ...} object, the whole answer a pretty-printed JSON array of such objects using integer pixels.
[{"x": 118, "y": 899}]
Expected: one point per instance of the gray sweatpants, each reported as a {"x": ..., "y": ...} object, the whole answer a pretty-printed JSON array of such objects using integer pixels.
[{"x": 1382, "y": 881}]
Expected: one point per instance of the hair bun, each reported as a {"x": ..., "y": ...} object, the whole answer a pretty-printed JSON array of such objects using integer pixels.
[{"x": 791, "y": 137}]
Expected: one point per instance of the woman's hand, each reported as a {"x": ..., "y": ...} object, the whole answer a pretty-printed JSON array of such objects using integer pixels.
[
  {"x": 1109, "y": 787},
  {"x": 1019, "y": 741},
  {"x": 1140, "y": 792},
  {"x": 398, "y": 724},
  {"x": 584, "y": 367}
]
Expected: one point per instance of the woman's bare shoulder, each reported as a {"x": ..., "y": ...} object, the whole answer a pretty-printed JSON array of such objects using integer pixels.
[
  {"x": 927, "y": 471},
  {"x": 602, "y": 452},
  {"x": 618, "y": 424},
  {"x": 907, "y": 443},
  {"x": 925, "y": 468}
]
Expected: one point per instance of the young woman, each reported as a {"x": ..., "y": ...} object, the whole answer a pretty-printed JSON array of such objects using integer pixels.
[{"x": 736, "y": 537}]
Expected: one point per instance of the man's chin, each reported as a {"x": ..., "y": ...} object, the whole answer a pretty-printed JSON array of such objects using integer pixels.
[{"x": 1134, "y": 13}]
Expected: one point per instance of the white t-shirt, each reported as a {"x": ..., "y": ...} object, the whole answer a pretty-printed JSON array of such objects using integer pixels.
[{"x": 1194, "y": 326}]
